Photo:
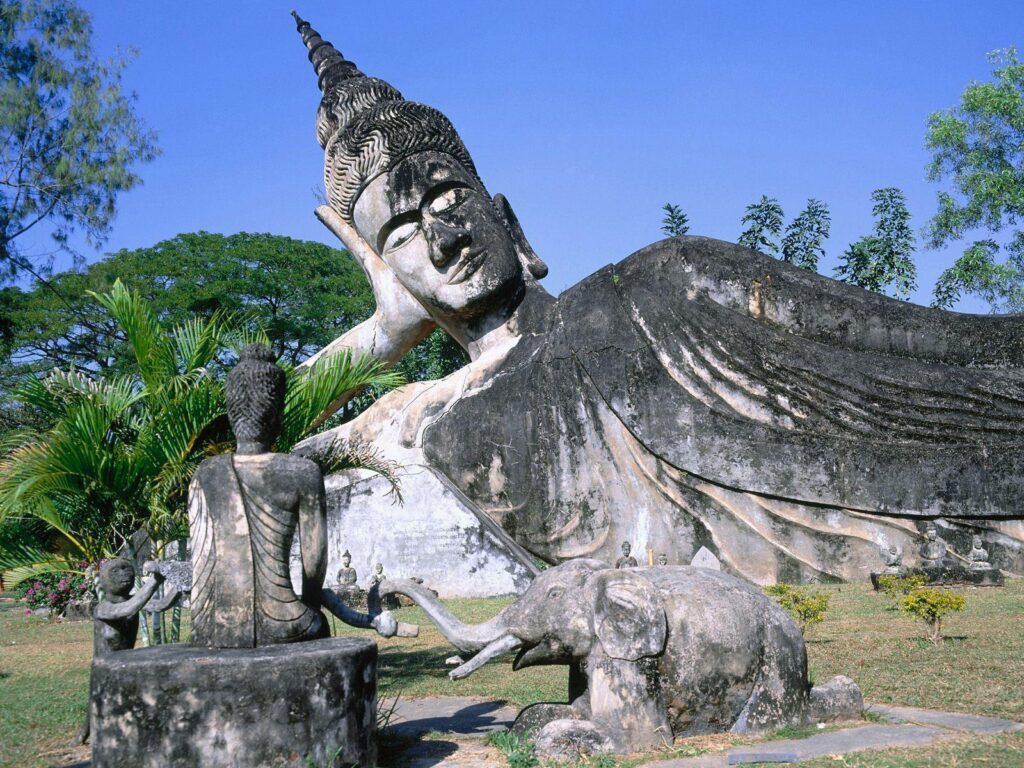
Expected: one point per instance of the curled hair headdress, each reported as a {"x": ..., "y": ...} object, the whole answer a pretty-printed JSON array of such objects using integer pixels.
[{"x": 366, "y": 127}]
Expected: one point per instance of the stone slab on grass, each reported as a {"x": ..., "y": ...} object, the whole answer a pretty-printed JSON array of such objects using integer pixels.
[{"x": 957, "y": 721}]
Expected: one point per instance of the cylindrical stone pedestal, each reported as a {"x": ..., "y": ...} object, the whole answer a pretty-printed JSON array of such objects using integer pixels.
[{"x": 174, "y": 706}]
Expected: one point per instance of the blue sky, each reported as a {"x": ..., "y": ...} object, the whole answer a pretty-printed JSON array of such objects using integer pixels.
[{"x": 587, "y": 115}]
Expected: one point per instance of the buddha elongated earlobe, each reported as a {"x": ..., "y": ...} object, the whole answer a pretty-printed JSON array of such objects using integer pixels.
[{"x": 529, "y": 256}]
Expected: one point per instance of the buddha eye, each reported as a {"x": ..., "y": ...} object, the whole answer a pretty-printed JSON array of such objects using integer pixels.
[
  {"x": 448, "y": 200},
  {"x": 400, "y": 235}
]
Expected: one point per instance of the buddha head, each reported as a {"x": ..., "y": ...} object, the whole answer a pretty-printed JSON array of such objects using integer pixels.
[
  {"x": 626, "y": 548},
  {"x": 662, "y": 559},
  {"x": 255, "y": 394},
  {"x": 399, "y": 173},
  {"x": 117, "y": 577},
  {"x": 346, "y": 559},
  {"x": 975, "y": 542}
]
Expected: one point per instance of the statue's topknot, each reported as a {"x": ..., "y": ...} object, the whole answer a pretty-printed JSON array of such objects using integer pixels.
[
  {"x": 255, "y": 394},
  {"x": 365, "y": 125}
]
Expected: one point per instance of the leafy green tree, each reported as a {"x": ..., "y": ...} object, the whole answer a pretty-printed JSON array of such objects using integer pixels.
[
  {"x": 931, "y": 605},
  {"x": 675, "y": 223},
  {"x": 806, "y": 606},
  {"x": 69, "y": 134},
  {"x": 122, "y": 447},
  {"x": 978, "y": 146},
  {"x": 883, "y": 261},
  {"x": 804, "y": 242},
  {"x": 764, "y": 223}
]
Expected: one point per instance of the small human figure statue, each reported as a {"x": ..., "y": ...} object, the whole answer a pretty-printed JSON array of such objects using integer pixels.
[
  {"x": 116, "y": 618},
  {"x": 389, "y": 602},
  {"x": 893, "y": 559},
  {"x": 934, "y": 551},
  {"x": 378, "y": 575},
  {"x": 346, "y": 574},
  {"x": 627, "y": 560},
  {"x": 662, "y": 559},
  {"x": 978, "y": 555}
]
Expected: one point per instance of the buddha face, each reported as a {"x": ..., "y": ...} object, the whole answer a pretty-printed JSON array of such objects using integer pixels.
[
  {"x": 346, "y": 559},
  {"x": 976, "y": 542},
  {"x": 433, "y": 224},
  {"x": 626, "y": 548}
]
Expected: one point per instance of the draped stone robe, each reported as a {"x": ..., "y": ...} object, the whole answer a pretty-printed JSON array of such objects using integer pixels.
[
  {"x": 242, "y": 528},
  {"x": 700, "y": 394}
]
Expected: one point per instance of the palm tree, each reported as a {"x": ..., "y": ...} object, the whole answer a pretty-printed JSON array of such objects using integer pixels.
[{"x": 122, "y": 449}]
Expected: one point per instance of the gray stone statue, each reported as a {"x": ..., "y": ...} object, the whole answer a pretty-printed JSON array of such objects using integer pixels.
[
  {"x": 654, "y": 653},
  {"x": 978, "y": 556},
  {"x": 934, "y": 553},
  {"x": 698, "y": 385},
  {"x": 662, "y": 559},
  {"x": 244, "y": 511},
  {"x": 116, "y": 617},
  {"x": 346, "y": 574},
  {"x": 378, "y": 574},
  {"x": 893, "y": 559},
  {"x": 627, "y": 560}
]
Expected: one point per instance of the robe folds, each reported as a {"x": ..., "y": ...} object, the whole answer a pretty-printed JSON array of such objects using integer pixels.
[
  {"x": 700, "y": 394},
  {"x": 241, "y": 536}
]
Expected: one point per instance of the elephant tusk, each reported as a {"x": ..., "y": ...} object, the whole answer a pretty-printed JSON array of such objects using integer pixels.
[{"x": 495, "y": 649}]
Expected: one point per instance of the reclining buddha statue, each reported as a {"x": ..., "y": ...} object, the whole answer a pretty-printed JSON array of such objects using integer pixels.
[{"x": 694, "y": 394}]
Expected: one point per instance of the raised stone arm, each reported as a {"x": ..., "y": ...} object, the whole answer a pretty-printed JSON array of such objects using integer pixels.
[
  {"x": 161, "y": 604},
  {"x": 110, "y": 611},
  {"x": 399, "y": 322},
  {"x": 384, "y": 622}
]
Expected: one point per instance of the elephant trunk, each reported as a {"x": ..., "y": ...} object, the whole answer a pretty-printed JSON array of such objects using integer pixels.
[
  {"x": 503, "y": 644},
  {"x": 467, "y": 638}
]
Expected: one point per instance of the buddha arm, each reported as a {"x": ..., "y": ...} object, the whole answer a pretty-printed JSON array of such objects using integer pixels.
[
  {"x": 398, "y": 324},
  {"x": 313, "y": 543}
]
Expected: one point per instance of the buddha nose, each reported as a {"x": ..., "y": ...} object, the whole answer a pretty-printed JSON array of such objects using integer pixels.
[{"x": 447, "y": 242}]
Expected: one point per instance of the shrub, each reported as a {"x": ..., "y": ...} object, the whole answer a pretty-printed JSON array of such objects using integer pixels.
[
  {"x": 897, "y": 586},
  {"x": 805, "y": 605},
  {"x": 55, "y": 590},
  {"x": 931, "y": 605}
]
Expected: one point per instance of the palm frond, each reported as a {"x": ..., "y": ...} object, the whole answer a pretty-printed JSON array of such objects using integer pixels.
[
  {"x": 146, "y": 337},
  {"x": 340, "y": 455},
  {"x": 20, "y": 562},
  {"x": 310, "y": 395}
]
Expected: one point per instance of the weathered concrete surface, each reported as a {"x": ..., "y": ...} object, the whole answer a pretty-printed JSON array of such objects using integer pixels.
[
  {"x": 793, "y": 426},
  {"x": 174, "y": 706},
  {"x": 435, "y": 536}
]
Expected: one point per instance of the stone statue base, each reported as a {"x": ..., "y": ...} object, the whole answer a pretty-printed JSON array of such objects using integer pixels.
[
  {"x": 949, "y": 575},
  {"x": 301, "y": 704}
]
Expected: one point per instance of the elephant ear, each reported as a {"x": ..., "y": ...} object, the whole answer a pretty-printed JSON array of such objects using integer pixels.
[{"x": 629, "y": 617}]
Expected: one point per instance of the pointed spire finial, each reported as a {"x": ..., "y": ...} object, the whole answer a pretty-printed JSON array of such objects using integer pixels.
[{"x": 327, "y": 60}]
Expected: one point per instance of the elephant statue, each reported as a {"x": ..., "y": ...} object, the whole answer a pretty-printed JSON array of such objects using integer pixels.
[{"x": 653, "y": 654}]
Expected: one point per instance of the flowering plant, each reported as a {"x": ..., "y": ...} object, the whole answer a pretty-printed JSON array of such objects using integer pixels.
[{"x": 55, "y": 590}]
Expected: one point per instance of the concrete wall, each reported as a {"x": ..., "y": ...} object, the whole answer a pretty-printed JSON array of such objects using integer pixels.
[{"x": 435, "y": 535}]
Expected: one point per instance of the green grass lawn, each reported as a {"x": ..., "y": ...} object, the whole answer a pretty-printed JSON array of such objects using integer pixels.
[{"x": 978, "y": 669}]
